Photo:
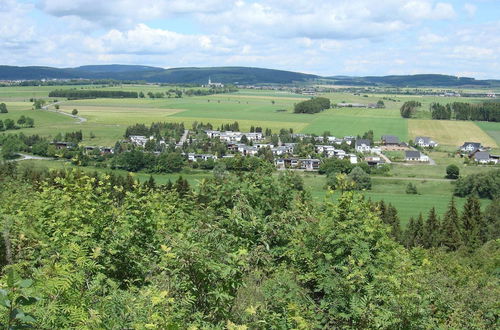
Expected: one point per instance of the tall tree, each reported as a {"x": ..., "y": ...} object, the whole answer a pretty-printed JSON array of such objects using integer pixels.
[
  {"x": 491, "y": 221},
  {"x": 472, "y": 223},
  {"x": 451, "y": 228},
  {"x": 431, "y": 230},
  {"x": 3, "y": 108}
]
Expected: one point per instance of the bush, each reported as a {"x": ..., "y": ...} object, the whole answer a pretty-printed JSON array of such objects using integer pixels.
[
  {"x": 452, "y": 172},
  {"x": 411, "y": 189}
]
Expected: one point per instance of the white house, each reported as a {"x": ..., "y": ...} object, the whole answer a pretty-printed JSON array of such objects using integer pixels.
[
  {"x": 425, "y": 142},
  {"x": 415, "y": 156},
  {"x": 363, "y": 145},
  {"x": 139, "y": 140}
]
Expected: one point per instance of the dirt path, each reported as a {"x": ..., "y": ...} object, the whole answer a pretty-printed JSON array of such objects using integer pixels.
[{"x": 414, "y": 179}]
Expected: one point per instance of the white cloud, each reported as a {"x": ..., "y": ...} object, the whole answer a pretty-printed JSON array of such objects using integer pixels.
[{"x": 470, "y": 9}]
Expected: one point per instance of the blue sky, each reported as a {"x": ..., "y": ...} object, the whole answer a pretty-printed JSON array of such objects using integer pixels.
[{"x": 326, "y": 37}]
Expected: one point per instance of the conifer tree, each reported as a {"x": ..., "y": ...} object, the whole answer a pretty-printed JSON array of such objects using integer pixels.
[
  {"x": 472, "y": 223},
  {"x": 450, "y": 228},
  {"x": 409, "y": 233},
  {"x": 418, "y": 237},
  {"x": 491, "y": 219},
  {"x": 431, "y": 230},
  {"x": 393, "y": 220}
]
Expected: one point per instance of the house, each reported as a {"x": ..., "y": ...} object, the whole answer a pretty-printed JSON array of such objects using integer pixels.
[
  {"x": 63, "y": 145},
  {"x": 374, "y": 160},
  {"x": 200, "y": 157},
  {"x": 309, "y": 164},
  {"x": 484, "y": 157},
  {"x": 283, "y": 163},
  {"x": 107, "y": 150},
  {"x": 363, "y": 145},
  {"x": 471, "y": 146},
  {"x": 415, "y": 156},
  {"x": 353, "y": 159},
  {"x": 390, "y": 140},
  {"x": 138, "y": 140},
  {"x": 425, "y": 142}
]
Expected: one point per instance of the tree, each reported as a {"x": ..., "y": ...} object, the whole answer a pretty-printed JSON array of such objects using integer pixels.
[
  {"x": 1, "y": 125},
  {"x": 141, "y": 95},
  {"x": 30, "y": 122},
  {"x": 411, "y": 189},
  {"x": 57, "y": 106},
  {"x": 361, "y": 179},
  {"x": 408, "y": 108},
  {"x": 472, "y": 223},
  {"x": 451, "y": 228},
  {"x": 9, "y": 124},
  {"x": 452, "y": 171},
  {"x": 74, "y": 112},
  {"x": 21, "y": 121},
  {"x": 491, "y": 221},
  {"x": 380, "y": 104},
  {"x": 432, "y": 233},
  {"x": 3, "y": 108}
]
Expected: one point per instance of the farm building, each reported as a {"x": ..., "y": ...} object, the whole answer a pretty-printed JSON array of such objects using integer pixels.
[
  {"x": 390, "y": 140},
  {"x": 484, "y": 157}
]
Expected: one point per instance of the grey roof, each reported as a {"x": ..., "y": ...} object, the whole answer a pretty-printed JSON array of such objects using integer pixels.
[
  {"x": 425, "y": 139},
  {"x": 391, "y": 139},
  {"x": 482, "y": 155},
  {"x": 363, "y": 141},
  {"x": 476, "y": 145},
  {"x": 412, "y": 154}
]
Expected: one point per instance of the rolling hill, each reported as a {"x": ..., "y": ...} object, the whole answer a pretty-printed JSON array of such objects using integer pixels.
[{"x": 240, "y": 75}]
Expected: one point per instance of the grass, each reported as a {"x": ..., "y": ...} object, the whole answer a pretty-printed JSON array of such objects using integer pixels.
[
  {"x": 451, "y": 132},
  {"x": 492, "y": 129}
]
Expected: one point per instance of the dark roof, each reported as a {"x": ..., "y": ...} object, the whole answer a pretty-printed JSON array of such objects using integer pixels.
[
  {"x": 391, "y": 139},
  {"x": 412, "y": 154},
  {"x": 476, "y": 145},
  {"x": 482, "y": 155},
  {"x": 363, "y": 141}
]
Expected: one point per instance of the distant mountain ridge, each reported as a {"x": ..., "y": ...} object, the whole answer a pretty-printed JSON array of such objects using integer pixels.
[{"x": 240, "y": 75}]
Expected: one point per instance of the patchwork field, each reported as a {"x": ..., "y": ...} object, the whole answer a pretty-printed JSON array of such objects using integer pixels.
[{"x": 453, "y": 133}]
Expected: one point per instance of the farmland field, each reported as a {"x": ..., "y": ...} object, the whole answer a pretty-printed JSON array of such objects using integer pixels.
[{"x": 450, "y": 132}]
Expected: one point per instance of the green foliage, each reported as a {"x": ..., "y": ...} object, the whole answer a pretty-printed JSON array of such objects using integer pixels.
[
  {"x": 74, "y": 112},
  {"x": 361, "y": 179},
  {"x": 242, "y": 250},
  {"x": 314, "y": 105},
  {"x": 14, "y": 298},
  {"x": 408, "y": 108},
  {"x": 85, "y": 94},
  {"x": 439, "y": 111},
  {"x": 482, "y": 185},
  {"x": 411, "y": 189},
  {"x": 3, "y": 108},
  {"x": 452, "y": 171}
]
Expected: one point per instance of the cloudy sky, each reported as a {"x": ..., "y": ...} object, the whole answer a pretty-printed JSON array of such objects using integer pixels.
[{"x": 327, "y": 37}]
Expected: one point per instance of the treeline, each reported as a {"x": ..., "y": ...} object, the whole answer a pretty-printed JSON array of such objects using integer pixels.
[
  {"x": 156, "y": 129},
  {"x": 85, "y": 94},
  {"x": 211, "y": 91},
  {"x": 469, "y": 230},
  {"x": 251, "y": 250},
  {"x": 486, "y": 111},
  {"x": 409, "y": 108},
  {"x": 482, "y": 185},
  {"x": 314, "y": 105},
  {"x": 22, "y": 122}
]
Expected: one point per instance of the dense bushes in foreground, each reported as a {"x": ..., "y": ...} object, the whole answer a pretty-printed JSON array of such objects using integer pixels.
[{"x": 248, "y": 250}]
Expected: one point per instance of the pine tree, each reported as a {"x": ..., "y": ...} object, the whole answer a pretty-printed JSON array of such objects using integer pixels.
[
  {"x": 418, "y": 237},
  {"x": 393, "y": 220},
  {"x": 450, "y": 228},
  {"x": 491, "y": 219},
  {"x": 431, "y": 230},
  {"x": 472, "y": 223},
  {"x": 410, "y": 233}
]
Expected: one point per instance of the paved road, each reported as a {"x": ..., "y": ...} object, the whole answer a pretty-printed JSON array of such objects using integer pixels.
[
  {"x": 28, "y": 157},
  {"x": 47, "y": 108}
]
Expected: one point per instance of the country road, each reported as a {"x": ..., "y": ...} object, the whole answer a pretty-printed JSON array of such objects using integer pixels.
[
  {"x": 47, "y": 108},
  {"x": 29, "y": 157}
]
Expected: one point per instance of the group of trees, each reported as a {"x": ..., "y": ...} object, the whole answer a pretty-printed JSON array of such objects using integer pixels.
[
  {"x": 22, "y": 122},
  {"x": 470, "y": 229},
  {"x": 247, "y": 250},
  {"x": 314, "y": 105},
  {"x": 85, "y": 94},
  {"x": 3, "y": 108},
  {"x": 408, "y": 108},
  {"x": 483, "y": 185},
  {"x": 485, "y": 111}
]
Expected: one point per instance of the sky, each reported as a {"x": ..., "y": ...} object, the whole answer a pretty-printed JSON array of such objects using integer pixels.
[{"x": 325, "y": 37}]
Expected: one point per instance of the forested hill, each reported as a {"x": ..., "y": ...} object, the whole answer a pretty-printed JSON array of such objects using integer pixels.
[
  {"x": 418, "y": 80},
  {"x": 233, "y": 75},
  {"x": 241, "y": 75}
]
